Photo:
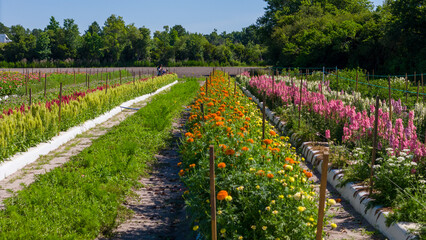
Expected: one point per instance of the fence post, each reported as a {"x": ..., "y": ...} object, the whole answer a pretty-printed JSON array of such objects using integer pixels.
[
  {"x": 263, "y": 115},
  {"x": 207, "y": 84},
  {"x": 88, "y": 82},
  {"x": 300, "y": 97},
  {"x": 390, "y": 99},
  {"x": 406, "y": 89},
  {"x": 60, "y": 107},
  {"x": 30, "y": 99},
  {"x": 212, "y": 194},
  {"x": 106, "y": 84},
  {"x": 45, "y": 83},
  {"x": 323, "y": 187},
  {"x": 356, "y": 84},
  {"x": 373, "y": 159},
  {"x": 202, "y": 110}
]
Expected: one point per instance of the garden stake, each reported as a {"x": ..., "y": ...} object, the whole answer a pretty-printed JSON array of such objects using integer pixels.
[
  {"x": 26, "y": 84},
  {"x": 134, "y": 79},
  {"x": 418, "y": 88},
  {"x": 45, "y": 83},
  {"x": 202, "y": 111},
  {"x": 235, "y": 88},
  {"x": 88, "y": 82},
  {"x": 376, "y": 120},
  {"x": 60, "y": 105},
  {"x": 212, "y": 193},
  {"x": 207, "y": 82},
  {"x": 120, "y": 76},
  {"x": 406, "y": 89},
  {"x": 390, "y": 99},
  {"x": 30, "y": 98},
  {"x": 263, "y": 118},
  {"x": 39, "y": 75},
  {"x": 323, "y": 187},
  {"x": 229, "y": 81},
  {"x": 373, "y": 75},
  {"x": 300, "y": 98},
  {"x": 106, "y": 84},
  {"x": 356, "y": 84}
]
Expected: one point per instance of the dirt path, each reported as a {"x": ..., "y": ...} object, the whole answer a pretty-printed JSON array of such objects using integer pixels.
[
  {"x": 350, "y": 224},
  {"x": 158, "y": 207},
  {"x": 58, "y": 157}
]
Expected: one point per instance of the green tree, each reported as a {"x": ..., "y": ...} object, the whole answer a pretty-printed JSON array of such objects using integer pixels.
[
  {"x": 114, "y": 36},
  {"x": 42, "y": 49}
]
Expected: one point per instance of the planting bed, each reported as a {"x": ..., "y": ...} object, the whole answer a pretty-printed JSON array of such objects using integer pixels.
[{"x": 374, "y": 215}]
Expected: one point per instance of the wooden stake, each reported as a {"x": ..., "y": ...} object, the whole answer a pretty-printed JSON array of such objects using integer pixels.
[
  {"x": 406, "y": 89},
  {"x": 106, "y": 84},
  {"x": 88, "y": 81},
  {"x": 134, "y": 80},
  {"x": 60, "y": 106},
  {"x": 207, "y": 85},
  {"x": 373, "y": 75},
  {"x": 263, "y": 115},
  {"x": 300, "y": 97},
  {"x": 30, "y": 99},
  {"x": 323, "y": 187},
  {"x": 373, "y": 159},
  {"x": 390, "y": 99},
  {"x": 202, "y": 110},
  {"x": 45, "y": 84},
  {"x": 418, "y": 89},
  {"x": 212, "y": 194},
  {"x": 356, "y": 84},
  {"x": 235, "y": 88},
  {"x": 120, "y": 76}
]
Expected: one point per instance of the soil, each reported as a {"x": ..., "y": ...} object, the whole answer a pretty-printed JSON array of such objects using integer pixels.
[
  {"x": 158, "y": 207},
  {"x": 58, "y": 157},
  {"x": 181, "y": 71}
]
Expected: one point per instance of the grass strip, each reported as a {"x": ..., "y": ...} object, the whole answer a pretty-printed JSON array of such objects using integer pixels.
[{"x": 84, "y": 197}]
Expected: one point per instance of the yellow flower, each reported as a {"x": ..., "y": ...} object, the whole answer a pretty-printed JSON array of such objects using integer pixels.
[
  {"x": 291, "y": 179},
  {"x": 311, "y": 219},
  {"x": 223, "y": 230},
  {"x": 219, "y": 212},
  {"x": 253, "y": 227},
  {"x": 301, "y": 209},
  {"x": 288, "y": 167},
  {"x": 298, "y": 196},
  {"x": 257, "y": 187},
  {"x": 275, "y": 212},
  {"x": 252, "y": 169},
  {"x": 273, "y": 202},
  {"x": 281, "y": 196},
  {"x": 195, "y": 228},
  {"x": 228, "y": 198},
  {"x": 264, "y": 228},
  {"x": 240, "y": 188},
  {"x": 333, "y": 225},
  {"x": 331, "y": 201},
  {"x": 250, "y": 159},
  {"x": 268, "y": 208},
  {"x": 240, "y": 237}
]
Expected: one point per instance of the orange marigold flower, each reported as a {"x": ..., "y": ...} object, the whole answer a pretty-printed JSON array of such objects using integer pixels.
[
  {"x": 308, "y": 174},
  {"x": 220, "y": 123},
  {"x": 221, "y": 165},
  {"x": 338, "y": 200},
  {"x": 250, "y": 140},
  {"x": 272, "y": 133},
  {"x": 192, "y": 165},
  {"x": 210, "y": 104},
  {"x": 179, "y": 163},
  {"x": 228, "y": 129},
  {"x": 221, "y": 195},
  {"x": 230, "y": 152},
  {"x": 188, "y": 134},
  {"x": 181, "y": 172},
  {"x": 267, "y": 141},
  {"x": 190, "y": 140},
  {"x": 247, "y": 118},
  {"x": 290, "y": 160},
  {"x": 260, "y": 173},
  {"x": 202, "y": 93},
  {"x": 245, "y": 148},
  {"x": 270, "y": 175},
  {"x": 223, "y": 146}
]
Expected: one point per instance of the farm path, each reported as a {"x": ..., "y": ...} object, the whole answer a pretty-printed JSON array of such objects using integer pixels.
[
  {"x": 158, "y": 208},
  {"x": 350, "y": 224},
  {"x": 60, "y": 156}
]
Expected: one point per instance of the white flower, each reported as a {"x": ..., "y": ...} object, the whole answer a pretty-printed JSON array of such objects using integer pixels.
[{"x": 413, "y": 163}]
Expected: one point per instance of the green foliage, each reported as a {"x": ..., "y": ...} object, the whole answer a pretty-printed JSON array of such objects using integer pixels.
[{"x": 83, "y": 198}]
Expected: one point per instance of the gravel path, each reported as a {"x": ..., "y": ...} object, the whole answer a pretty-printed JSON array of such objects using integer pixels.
[
  {"x": 158, "y": 207},
  {"x": 350, "y": 224}
]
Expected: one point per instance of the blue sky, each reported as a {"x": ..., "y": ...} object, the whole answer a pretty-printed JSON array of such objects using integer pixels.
[{"x": 200, "y": 16}]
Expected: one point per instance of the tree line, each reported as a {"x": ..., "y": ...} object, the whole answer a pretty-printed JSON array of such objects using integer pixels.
[
  {"x": 346, "y": 33},
  {"x": 292, "y": 33},
  {"x": 118, "y": 44}
]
